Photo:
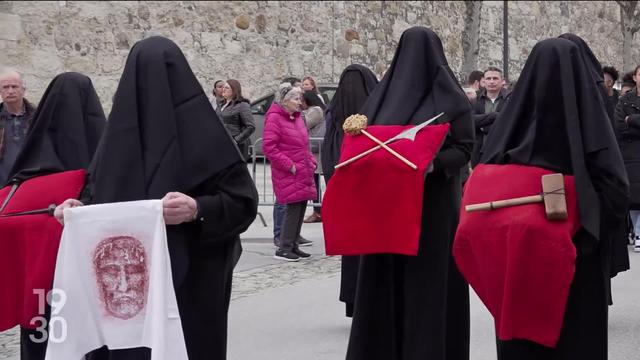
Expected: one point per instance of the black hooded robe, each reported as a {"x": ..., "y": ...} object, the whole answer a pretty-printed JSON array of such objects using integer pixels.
[
  {"x": 555, "y": 120},
  {"x": 417, "y": 307},
  {"x": 63, "y": 136},
  {"x": 355, "y": 85},
  {"x": 615, "y": 240},
  {"x": 162, "y": 136}
]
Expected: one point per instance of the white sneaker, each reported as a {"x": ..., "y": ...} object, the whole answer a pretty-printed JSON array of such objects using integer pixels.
[{"x": 636, "y": 247}]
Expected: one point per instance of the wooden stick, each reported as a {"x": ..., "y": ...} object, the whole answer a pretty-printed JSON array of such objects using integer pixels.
[
  {"x": 505, "y": 203},
  {"x": 347, "y": 162},
  {"x": 393, "y": 152}
]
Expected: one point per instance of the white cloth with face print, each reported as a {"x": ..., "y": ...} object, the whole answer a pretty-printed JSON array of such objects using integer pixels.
[{"x": 113, "y": 284}]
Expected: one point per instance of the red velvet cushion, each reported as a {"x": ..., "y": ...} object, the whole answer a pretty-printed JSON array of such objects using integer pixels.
[
  {"x": 29, "y": 245},
  {"x": 374, "y": 205},
  {"x": 520, "y": 264}
]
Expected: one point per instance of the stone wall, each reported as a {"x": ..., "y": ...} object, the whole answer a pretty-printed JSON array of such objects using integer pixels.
[{"x": 261, "y": 42}]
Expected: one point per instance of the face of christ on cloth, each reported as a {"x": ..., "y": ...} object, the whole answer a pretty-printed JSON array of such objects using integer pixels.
[{"x": 120, "y": 265}]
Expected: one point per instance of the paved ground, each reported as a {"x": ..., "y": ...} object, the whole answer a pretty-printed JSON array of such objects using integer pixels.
[{"x": 290, "y": 310}]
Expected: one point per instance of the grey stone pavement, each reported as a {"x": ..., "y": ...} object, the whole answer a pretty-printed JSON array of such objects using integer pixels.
[{"x": 287, "y": 311}]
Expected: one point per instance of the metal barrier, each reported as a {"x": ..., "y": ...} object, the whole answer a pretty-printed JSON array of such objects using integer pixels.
[{"x": 261, "y": 174}]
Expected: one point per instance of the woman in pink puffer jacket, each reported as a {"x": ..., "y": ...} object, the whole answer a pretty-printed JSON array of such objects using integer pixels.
[{"x": 286, "y": 145}]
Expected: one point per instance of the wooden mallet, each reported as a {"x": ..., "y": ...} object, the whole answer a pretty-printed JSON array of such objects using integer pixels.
[
  {"x": 356, "y": 124},
  {"x": 553, "y": 197}
]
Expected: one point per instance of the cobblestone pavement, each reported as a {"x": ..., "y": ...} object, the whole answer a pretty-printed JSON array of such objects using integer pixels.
[
  {"x": 9, "y": 343},
  {"x": 254, "y": 281}
]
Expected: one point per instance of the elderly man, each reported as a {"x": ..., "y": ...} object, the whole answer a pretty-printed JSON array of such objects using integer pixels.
[{"x": 15, "y": 116}]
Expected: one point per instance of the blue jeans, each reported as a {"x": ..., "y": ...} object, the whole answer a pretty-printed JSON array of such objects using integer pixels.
[{"x": 278, "y": 216}]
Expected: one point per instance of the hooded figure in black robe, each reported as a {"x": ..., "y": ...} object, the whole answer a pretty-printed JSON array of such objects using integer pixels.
[
  {"x": 556, "y": 121},
  {"x": 163, "y": 136},
  {"x": 617, "y": 240},
  {"x": 417, "y": 307},
  {"x": 354, "y": 87},
  {"x": 65, "y": 131},
  {"x": 63, "y": 136}
]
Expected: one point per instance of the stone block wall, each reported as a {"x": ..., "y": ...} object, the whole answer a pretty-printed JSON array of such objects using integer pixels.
[{"x": 260, "y": 42}]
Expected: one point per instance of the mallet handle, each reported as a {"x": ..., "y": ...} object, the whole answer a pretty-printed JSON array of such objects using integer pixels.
[{"x": 505, "y": 203}]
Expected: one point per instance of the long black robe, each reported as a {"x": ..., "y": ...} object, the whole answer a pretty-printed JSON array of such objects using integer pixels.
[
  {"x": 163, "y": 135},
  {"x": 63, "y": 136},
  {"x": 355, "y": 85},
  {"x": 564, "y": 127},
  {"x": 616, "y": 239},
  {"x": 417, "y": 307}
]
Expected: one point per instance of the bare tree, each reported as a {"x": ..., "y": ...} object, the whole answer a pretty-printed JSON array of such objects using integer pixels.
[
  {"x": 471, "y": 36},
  {"x": 630, "y": 24}
]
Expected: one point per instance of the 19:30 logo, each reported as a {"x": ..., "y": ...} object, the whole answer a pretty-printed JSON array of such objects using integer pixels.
[{"x": 57, "y": 332}]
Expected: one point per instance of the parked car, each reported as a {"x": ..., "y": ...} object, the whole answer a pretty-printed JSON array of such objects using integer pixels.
[{"x": 260, "y": 107}]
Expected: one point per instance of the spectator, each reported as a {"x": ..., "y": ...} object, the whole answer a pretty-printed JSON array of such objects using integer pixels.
[
  {"x": 627, "y": 83},
  {"x": 217, "y": 100},
  {"x": 627, "y": 120},
  {"x": 475, "y": 79},
  {"x": 286, "y": 145},
  {"x": 610, "y": 77},
  {"x": 313, "y": 113},
  {"x": 236, "y": 115},
  {"x": 15, "y": 117},
  {"x": 278, "y": 209},
  {"x": 490, "y": 102},
  {"x": 308, "y": 84}
]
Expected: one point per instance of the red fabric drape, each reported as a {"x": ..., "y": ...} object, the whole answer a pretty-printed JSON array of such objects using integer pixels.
[
  {"x": 520, "y": 264},
  {"x": 29, "y": 244},
  {"x": 374, "y": 205}
]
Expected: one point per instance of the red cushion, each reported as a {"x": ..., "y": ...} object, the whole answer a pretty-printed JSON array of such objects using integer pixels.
[
  {"x": 351, "y": 217},
  {"x": 29, "y": 245},
  {"x": 520, "y": 264}
]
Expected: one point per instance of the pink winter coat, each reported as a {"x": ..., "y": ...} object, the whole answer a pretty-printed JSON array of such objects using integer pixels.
[{"x": 286, "y": 142}]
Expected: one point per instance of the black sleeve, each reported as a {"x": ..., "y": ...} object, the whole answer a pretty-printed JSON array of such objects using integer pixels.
[
  {"x": 622, "y": 127},
  {"x": 247, "y": 121},
  {"x": 456, "y": 150},
  {"x": 634, "y": 121},
  {"x": 229, "y": 207},
  {"x": 484, "y": 120},
  {"x": 612, "y": 191}
]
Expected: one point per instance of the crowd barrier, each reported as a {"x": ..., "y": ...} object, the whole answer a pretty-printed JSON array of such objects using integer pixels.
[{"x": 261, "y": 174}]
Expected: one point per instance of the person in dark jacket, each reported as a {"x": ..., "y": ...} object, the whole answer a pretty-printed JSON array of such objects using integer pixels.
[
  {"x": 15, "y": 117},
  {"x": 488, "y": 105},
  {"x": 235, "y": 113},
  {"x": 627, "y": 121}
]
